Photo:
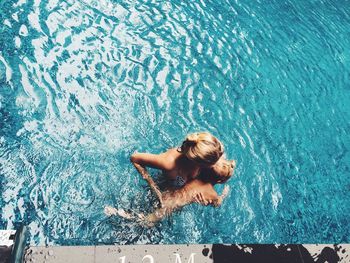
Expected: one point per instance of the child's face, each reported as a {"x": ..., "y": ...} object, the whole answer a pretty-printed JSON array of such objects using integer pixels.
[{"x": 223, "y": 169}]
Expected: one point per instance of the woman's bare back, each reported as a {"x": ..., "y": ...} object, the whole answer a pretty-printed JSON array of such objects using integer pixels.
[{"x": 181, "y": 166}]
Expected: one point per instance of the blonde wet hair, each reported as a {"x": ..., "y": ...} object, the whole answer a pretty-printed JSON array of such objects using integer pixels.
[
  {"x": 202, "y": 148},
  {"x": 223, "y": 170},
  {"x": 220, "y": 172}
]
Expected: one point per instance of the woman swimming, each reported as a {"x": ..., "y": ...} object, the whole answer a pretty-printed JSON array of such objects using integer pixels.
[
  {"x": 175, "y": 199},
  {"x": 198, "y": 151}
]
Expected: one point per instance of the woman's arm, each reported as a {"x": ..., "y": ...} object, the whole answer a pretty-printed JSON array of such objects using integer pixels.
[
  {"x": 161, "y": 161},
  {"x": 145, "y": 175},
  {"x": 157, "y": 215},
  {"x": 142, "y": 170}
]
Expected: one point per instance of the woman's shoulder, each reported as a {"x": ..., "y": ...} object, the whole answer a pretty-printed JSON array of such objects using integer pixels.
[
  {"x": 173, "y": 151},
  {"x": 169, "y": 158},
  {"x": 172, "y": 154}
]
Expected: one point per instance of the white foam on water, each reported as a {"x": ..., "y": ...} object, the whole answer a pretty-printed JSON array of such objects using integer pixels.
[
  {"x": 261, "y": 184},
  {"x": 249, "y": 50},
  {"x": 190, "y": 99},
  {"x": 241, "y": 140},
  {"x": 276, "y": 195},
  {"x": 30, "y": 125},
  {"x": 52, "y": 4},
  {"x": 53, "y": 21},
  {"x": 8, "y": 68},
  {"x": 120, "y": 32},
  {"x": 7, "y": 23},
  {"x": 15, "y": 16},
  {"x": 259, "y": 235},
  {"x": 246, "y": 207},
  {"x": 8, "y": 211},
  {"x": 176, "y": 81},
  {"x": 18, "y": 42},
  {"x": 135, "y": 18},
  {"x": 203, "y": 3},
  {"x": 13, "y": 187},
  {"x": 209, "y": 51},
  {"x": 35, "y": 67},
  {"x": 199, "y": 104},
  {"x": 217, "y": 62},
  {"x": 251, "y": 144},
  {"x": 38, "y": 44},
  {"x": 190, "y": 226},
  {"x": 28, "y": 170},
  {"x": 33, "y": 19},
  {"x": 23, "y": 31},
  {"x": 62, "y": 35},
  {"x": 161, "y": 81},
  {"x": 158, "y": 41},
  {"x": 28, "y": 88},
  {"x": 241, "y": 110},
  {"x": 120, "y": 12},
  {"x": 164, "y": 53},
  {"x": 199, "y": 47},
  {"x": 20, "y": 206},
  {"x": 69, "y": 70},
  {"x": 37, "y": 232}
]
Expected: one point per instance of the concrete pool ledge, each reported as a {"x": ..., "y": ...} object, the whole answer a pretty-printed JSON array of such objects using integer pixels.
[
  {"x": 189, "y": 253},
  {"x": 119, "y": 254}
]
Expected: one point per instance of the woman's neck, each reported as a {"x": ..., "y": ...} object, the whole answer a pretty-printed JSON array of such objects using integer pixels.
[{"x": 188, "y": 167}]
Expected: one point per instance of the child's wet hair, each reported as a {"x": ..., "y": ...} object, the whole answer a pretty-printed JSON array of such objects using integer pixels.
[{"x": 220, "y": 172}]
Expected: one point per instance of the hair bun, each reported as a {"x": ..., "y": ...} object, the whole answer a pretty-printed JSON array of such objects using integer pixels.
[
  {"x": 202, "y": 148},
  {"x": 192, "y": 137}
]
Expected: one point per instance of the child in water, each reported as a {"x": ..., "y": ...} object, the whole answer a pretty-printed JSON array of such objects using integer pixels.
[{"x": 199, "y": 190}]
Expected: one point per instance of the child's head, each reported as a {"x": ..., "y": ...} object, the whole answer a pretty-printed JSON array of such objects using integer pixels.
[
  {"x": 202, "y": 148},
  {"x": 220, "y": 172}
]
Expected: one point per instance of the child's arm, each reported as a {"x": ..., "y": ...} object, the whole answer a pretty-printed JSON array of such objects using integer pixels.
[
  {"x": 145, "y": 175},
  {"x": 199, "y": 198},
  {"x": 203, "y": 194},
  {"x": 220, "y": 198}
]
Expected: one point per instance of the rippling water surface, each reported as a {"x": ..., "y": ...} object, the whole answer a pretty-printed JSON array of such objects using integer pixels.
[{"x": 86, "y": 83}]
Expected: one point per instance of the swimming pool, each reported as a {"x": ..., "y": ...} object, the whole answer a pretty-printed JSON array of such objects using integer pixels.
[{"x": 86, "y": 83}]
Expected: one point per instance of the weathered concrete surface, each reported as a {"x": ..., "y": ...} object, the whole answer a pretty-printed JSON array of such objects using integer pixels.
[
  {"x": 329, "y": 252},
  {"x": 337, "y": 253},
  {"x": 62, "y": 254},
  {"x": 120, "y": 254}
]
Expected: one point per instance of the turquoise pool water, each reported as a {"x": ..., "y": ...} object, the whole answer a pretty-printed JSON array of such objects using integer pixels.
[{"x": 86, "y": 83}]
